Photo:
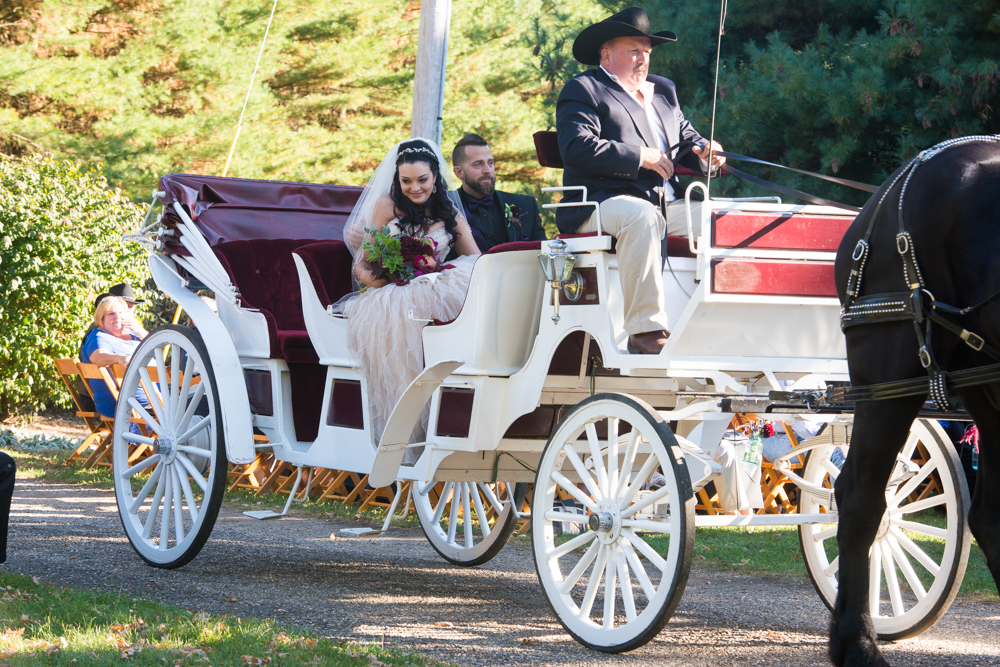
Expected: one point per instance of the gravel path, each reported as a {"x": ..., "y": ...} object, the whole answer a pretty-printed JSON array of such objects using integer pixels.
[{"x": 396, "y": 587}]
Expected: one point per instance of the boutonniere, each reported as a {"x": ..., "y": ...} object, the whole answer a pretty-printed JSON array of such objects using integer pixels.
[{"x": 513, "y": 216}]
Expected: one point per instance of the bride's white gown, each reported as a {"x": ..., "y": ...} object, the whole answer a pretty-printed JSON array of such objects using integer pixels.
[{"x": 387, "y": 345}]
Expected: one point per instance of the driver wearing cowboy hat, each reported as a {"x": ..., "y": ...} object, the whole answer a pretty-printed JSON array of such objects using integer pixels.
[{"x": 616, "y": 126}]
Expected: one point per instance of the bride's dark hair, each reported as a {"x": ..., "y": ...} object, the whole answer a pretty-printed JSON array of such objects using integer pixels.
[{"x": 416, "y": 218}]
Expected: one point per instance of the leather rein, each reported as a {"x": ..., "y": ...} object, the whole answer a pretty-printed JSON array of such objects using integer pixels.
[{"x": 916, "y": 305}]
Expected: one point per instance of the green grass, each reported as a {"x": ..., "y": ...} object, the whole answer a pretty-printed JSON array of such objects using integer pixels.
[
  {"x": 774, "y": 550},
  {"x": 42, "y": 623}
]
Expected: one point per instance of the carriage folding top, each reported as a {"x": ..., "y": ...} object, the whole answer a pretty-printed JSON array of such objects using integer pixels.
[{"x": 530, "y": 384}]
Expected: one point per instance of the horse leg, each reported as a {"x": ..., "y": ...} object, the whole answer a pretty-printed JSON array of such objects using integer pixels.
[
  {"x": 880, "y": 430},
  {"x": 984, "y": 513}
]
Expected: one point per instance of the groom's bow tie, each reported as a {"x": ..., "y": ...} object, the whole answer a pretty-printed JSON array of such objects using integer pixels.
[{"x": 476, "y": 203}]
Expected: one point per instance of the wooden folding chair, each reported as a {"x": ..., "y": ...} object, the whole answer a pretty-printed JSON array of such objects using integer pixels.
[
  {"x": 99, "y": 429},
  {"x": 112, "y": 378}
]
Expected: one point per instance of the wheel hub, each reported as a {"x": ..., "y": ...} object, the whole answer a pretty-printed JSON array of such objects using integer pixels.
[
  {"x": 164, "y": 447},
  {"x": 606, "y": 522}
]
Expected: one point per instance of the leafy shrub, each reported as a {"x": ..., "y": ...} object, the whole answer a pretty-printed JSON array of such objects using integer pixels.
[{"x": 60, "y": 245}]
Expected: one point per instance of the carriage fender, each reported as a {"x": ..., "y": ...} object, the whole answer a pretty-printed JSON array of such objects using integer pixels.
[
  {"x": 236, "y": 424},
  {"x": 404, "y": 416}
]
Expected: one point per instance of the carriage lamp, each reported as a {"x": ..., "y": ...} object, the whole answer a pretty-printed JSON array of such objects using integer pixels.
[{"x": 557, "y": 265}]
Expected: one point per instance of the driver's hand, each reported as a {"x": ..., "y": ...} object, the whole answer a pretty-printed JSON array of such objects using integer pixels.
[{"x": 658, "y": 162}]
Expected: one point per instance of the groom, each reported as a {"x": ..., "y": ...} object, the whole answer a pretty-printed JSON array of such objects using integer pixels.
[{"x": 495, "y": 217}]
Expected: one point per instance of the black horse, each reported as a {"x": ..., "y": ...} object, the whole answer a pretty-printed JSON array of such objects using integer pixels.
[{"x": 951, "y": 211}]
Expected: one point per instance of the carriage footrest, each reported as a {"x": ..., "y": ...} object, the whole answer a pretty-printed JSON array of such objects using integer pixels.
[
  {"x": 361, "y": 532},
  {"x": 264, "y": 514}
]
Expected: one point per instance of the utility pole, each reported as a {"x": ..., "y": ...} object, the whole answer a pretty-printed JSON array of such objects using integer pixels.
[{"x": 432, "y": 58}]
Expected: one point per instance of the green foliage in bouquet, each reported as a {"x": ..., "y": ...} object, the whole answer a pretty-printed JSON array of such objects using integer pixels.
[
  {"x": 386, "y": 251},
  {"x": 60, "y": 245}
]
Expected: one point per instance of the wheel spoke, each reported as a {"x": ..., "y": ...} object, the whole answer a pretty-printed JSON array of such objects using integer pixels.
[
  {"x": 833, "y": 567},
  {"x": 581, "y": 470},
  {"x": 915, "y": 551},
  {"x": 168, "y": 494},
  {"x": 646, "y": 501},
  {"x": 185, "y": 419},
  {"x": 191, "y": 432},
  {"x": 875, "y": 581},
  {"x": 573, "y": 490},
  {"x": 153, "y": 396},
  {"x": 442, "y": 502},
  {"x": 626, "y": 582},
  {"x": 165, "y": 382},
  {"x": 630, "y": 451},
  {"x": 154, "y": 507},
  {"x": 481, "y": 518},
  {"x": 640, "y": 571},
  {"x": 492, "y": 497},
  {"x": 189, "y": 497},
  {"x": 566, "y": 517},
  {"x": 456, "y": 500},
  {"x": 154, "y": 477},
  {"x": 825, "y": 534},
  {"x": 192, "y": 471},
  {"x": 178, "y": 509},
  {"x": 647, "y": 469},
  {"x": 912, "y": 580},
  {"x": 577, "y": 572},
  {"x": 566, "y": 547},
  {"x": 426, "y": 488},
  {"x": 595, "y": 454},
  {"x": 153, "y": 425},
  {"x": 181, "y": 387},
  {"x": 891, "y": 580},
  {"x": 831, "y": 469},
  {"x": 596, "y": 574},
  {"x": 196, "y": 451},
  {"x": 610, "y": 584},
  {"x": 141, "y": 465},
  {"x": 467, "y": 515},
  {"x": 645, "y": 550},
  {"x": 647, "y": 526},
  {"x": 912, "y": 483},
  {"x": 612, "y": 456},
  {"x": 923, "y": 529},
  {"x": 137, "y": 437},
  {"x": 920, "y": 505}
]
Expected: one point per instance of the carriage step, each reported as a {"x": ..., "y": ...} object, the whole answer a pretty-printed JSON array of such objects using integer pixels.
[
  {"x": 361, "y": 532},
  {"x": 264, "y": 514}
]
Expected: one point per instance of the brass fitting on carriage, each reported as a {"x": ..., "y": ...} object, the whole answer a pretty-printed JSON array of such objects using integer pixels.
[{"x": 557, "y": 265}]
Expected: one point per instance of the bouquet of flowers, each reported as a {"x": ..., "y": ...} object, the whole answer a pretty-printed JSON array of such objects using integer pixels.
[
  {"x": 399, "y": 258},
  {"x": 755, "y": 430}
]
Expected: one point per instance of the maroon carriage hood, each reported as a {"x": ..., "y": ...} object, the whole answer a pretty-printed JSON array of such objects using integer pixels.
[{"x": 243, "y": 209}]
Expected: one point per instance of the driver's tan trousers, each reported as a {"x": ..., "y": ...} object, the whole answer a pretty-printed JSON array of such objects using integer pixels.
[{"x": 639, "y": 227}]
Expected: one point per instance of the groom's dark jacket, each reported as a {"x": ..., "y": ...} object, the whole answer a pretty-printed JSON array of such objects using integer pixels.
[
  {"x": 498, "y": 224},
  {"x": 601, "y": 131}
]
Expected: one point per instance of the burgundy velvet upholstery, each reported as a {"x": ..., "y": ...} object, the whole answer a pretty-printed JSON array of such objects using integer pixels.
[
  {"x": 514, "y": 246},
  {"x": 329, "y": 266},
  {"x": 264, "y": 272}
]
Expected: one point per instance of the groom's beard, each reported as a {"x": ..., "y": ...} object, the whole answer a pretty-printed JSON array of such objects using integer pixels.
[{"x": 484, "y": 187}]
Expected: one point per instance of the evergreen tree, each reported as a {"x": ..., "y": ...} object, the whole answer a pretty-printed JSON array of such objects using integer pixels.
[{"x": 846, "y": 87}]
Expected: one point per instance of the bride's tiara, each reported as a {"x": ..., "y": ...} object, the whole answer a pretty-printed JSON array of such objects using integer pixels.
[{"x": 419, "y": 151}]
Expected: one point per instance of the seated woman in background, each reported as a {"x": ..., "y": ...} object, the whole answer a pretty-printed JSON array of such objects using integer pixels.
[{"x": 111, "y": 342}]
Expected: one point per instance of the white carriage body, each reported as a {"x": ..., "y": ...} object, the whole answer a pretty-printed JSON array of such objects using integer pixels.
[{"x": 492, "y": 365}]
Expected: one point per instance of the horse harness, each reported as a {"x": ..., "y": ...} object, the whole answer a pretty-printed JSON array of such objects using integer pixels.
[{"x": 917, "y": 305}]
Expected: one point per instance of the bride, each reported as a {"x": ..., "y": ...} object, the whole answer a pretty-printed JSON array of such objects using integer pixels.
[{"x": 407, "y": 194}]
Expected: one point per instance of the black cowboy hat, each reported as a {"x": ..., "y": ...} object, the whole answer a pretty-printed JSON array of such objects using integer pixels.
[
  {"x": 124, "y": 290},
  {"x": 631, "y": 22}
]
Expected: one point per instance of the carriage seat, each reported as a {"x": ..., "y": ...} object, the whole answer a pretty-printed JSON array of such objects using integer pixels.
[
  {"x": 677, "y": 246},
  {"x": 265, "y": 274}
]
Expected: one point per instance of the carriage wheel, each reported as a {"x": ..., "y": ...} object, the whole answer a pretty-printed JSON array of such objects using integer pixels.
[
  {"x": 611, "y": 588},
  {"x": 168, "y": 501},
  {"x": 468, "y": 523},
  {"x": 922, "y": 546}
]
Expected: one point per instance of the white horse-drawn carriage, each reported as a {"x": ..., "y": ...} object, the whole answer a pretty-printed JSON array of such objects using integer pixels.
[{"x": 530, "y": 384}]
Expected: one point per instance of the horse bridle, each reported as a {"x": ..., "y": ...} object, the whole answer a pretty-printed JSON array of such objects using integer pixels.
[{"x": 917, "y": 304}]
